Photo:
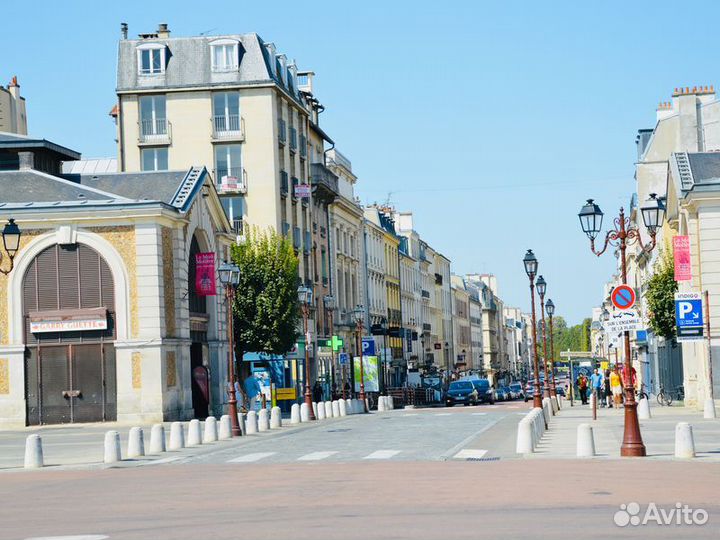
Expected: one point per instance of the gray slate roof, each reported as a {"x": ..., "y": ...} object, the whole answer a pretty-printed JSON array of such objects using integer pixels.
[
  {"x": 13, "y": 141},
  {"x": 698, "y": 171}
]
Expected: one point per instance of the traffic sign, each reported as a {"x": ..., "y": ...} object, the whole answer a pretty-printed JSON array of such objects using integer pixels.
[
  {"x": 689, "y": 316},
  {"x": 624, "y": 322},
  {"x": 368, "y": 346},
  {"x": 623, "y": 297},
  {"x": 344, "y": 358}
]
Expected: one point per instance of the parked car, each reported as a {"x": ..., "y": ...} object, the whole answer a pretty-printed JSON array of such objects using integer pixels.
[
  {"x": 517, "y": 390},
  {"x": 501, "y": 394},
  {"x": 560, "y": 391},
  {"x": 461, "y": 392},
  {"x": 530, "y": 389},
  {"x": 486, "y": 394},
  {"x": 509, "y": 396}
]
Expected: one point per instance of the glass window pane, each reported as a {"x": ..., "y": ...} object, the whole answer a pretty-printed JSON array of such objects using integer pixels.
[
  {"x": 148, "y": 159},
  {"x": 219, "y": 104},
  {"x": 234, "y": 151},
  {"x": 159, "y": 105},
  {"x": 233, "y": 103},
  {"x": 218, "y": 56},
  {"x": 161, "y": 156},
  {"x": 157, "y": 67},
  {"x": 145, "y": 61}
]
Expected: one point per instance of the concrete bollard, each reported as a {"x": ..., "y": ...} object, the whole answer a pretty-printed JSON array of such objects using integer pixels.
[
  {"x": 381, "y": 405},
  {"x": 684, "y": 441},
  {"x": 295, "y": 414},
  {"x": 263, "y": 419},
  {"x": 211, "y": 430},
  {"x": 558, "y": 401},
  {"x": 177, "y": 436},
  {"x": 112, "y": 447},
  {"x": 709, "y": 412},
  {"x": 328, "y": 409},
  {"x": 320, "y": 411},
  {"x": 554, "y": 404},
  {"x": 540, "y": 419},
  {"x": 342, "y": 407},
  {"x": 275, "y": 418},
  {"x": 157, "y": 439},
  {"x": 366, "y": 408},
  {"x": 391, "y": 403},
  {"x": 315, "y": 409},
  {"x": 241, "y": 424},
  {"x": 335, "y": 405},
  {"x": 251, "y": 423},
  {"x": 225, "y": 431},
  {"x": 643, "y": 409},
  {"x": 349, "y": 406},
  {"x": 547, "y": 411},
  {"x": 525, "y": 438},
  {"x": 194, "y": 433},
  {"x": 585, "y": 441},
  {"x": 304, "y": 412},
  {"x": 136, "y": 443},
  {"x": 34, "y": 452}
]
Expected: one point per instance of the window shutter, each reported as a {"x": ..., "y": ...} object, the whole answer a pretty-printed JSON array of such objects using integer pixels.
[
  {"x": 47, "y": 288},
  {"x": 89, "y": 277},
  {"x": 68, "y": 277}
]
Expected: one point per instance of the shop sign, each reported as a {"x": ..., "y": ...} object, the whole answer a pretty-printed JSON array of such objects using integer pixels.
[
  {"x": 72, "y": 320},
  {"x": 205, "y": 274}
]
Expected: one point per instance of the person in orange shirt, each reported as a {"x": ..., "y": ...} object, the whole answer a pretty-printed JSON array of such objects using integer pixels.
[{"x": 616, "y": 387}]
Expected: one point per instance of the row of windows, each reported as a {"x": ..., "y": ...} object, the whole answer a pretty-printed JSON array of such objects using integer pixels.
[
  {"x": 228, "y": 160},
  {"x": 153, "y": 57},
  {"x": 225, "y": 111}
]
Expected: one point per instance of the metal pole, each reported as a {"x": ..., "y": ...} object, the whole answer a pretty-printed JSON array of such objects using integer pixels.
[
  {"x": 571, "y": 386},
  {"x": 360, "y": 354},
  {"x": 711, "y": 391},
  {"x": 308, "y": 394},
  {"x": 552, "y": 358},
  {"x": 546, "y": 385},
  {"x": 232, "y": 402},
  {"x": 537, "y": 399}
]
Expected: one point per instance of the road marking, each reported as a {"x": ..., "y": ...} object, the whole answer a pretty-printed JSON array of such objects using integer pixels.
[
  {"x": 382, "y": 454},
  {"x": 249, "y": 458},
  {"x": 411, "y": 414},
  {"x": 77, "y": 537},
  {"x": 470, "y": 453},
  {"x": 443, "y": 414},
  {"x": 316, "y": 456},
  {"x": 154, "y": 462},
  {"x": 478, "y": 413}
]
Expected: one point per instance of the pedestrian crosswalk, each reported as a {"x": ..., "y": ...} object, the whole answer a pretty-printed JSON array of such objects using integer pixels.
[
  {"x": 249, "y": 458},
  {"x": 470, "y": 453},
  {"x": 382, "y": 454},
  {"x": 377, "y": 455},
  {"x": 317, "y": 456}
]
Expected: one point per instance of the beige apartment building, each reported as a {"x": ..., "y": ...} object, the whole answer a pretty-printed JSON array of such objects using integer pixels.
[
  {"x": 462, "y": 338},
  {"x": 13, "y": 116}
]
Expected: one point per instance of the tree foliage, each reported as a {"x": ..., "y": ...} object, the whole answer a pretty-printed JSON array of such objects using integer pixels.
[
  {"x": 660, "y": 296},
  {"x": 573, "y": 338},
  {"x": 266, "y": 304}
]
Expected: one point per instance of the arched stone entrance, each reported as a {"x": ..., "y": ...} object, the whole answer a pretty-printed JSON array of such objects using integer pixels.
[
  {"x": 68, "y": 299},
  {"x": 199, "y": 376}
]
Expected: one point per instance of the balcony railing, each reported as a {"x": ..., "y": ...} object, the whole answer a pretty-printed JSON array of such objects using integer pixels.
[
  {"x": 425, "y": 294},
  {"x": 308, "y": 242},
  {"x": 231, "y": 127},
  {"x": 303, "y": 146},
  {"x": 325, "y": 180},
  {"x": 238, "y": 226},
  {"x": 231, "y": 179},
  {"x": 282, "y": 130},
  {"x": 427, "y": 327},
  {"x": 155, "y": 130},
  {"x": 296, "y": 238},
  {"x": 284, "y": 187}
]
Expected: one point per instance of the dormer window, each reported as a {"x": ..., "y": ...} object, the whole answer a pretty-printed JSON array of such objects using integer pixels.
[
  {"x": 224, "y": 55},
  {"x": 151, "y": 59}
]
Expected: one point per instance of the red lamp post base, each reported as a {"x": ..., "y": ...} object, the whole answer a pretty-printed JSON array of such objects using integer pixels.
[
  {"x": 537, "y": 401},
  {"x": 632, "y": 445},
  {"x": 309, "y": 403},
  {"x": 233, "y": 412}
]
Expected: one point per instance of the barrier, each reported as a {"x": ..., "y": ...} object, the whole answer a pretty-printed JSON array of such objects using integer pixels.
[
  {"x": 225, "y": 431},
  {"x": 33, "y": 452},
  {"x": 157, "y": 439},
  {"x": 643, "y": 409},
  {"x": 275, "y": 418},
  {"x": 136, "y": 443},
  {"x": 320, "y": 411},
  {"x": 177, "y": 436},
  {"x": 211, "y": 430},
  {"x": 525, "y": 439},
  {"x": 194, "y": 433},
  {"x": 709, "y": 411},
  {"x": 328, "y": 409},
  {"x": 585, "y": 441},
  {"x": 335, "y": 406},
  {"x": 263, "y": 420},
  {"x": 251, "y": 423},
  {"x": 342, "y": 406},
  {"x": 295, "y": 414},
  {"x": 304, "y": 412},
  {"x": 112, "y": 447},
  {"x": 684, "y": 441}
]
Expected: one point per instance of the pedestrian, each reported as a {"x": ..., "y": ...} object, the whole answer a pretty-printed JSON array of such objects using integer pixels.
[
  {"x": 582, "y": 384},
  {"x": 607, "y": 390},
  {"x": 596, "y": 384},
  {"x": 252, "y": 391},
  {"x": 616, "y": 387},
  {"x": 317, "y": 392}
]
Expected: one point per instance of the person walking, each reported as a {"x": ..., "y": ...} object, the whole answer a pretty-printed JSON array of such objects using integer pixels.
[
  {"x": 616, "y": 387},
  {"x": 252, "y": 391},
  {"x": 582, "y": 383},
  {"x": 596, "y": 384},
  {"x": 607, "y": 390}
]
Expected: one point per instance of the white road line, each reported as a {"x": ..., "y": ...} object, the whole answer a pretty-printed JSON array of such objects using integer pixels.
[
  {"x": 249, "y": 458},
  {"x": 316, "y": 456},
  {"x": 443, "y": 414},
  {"x": 76, "y": 537},
  {"x": 478, "y": 413},
  {"x": 410, "y": 414},
  {"x": 470, "y": 453},
  {"x": 382, "y": 454}
]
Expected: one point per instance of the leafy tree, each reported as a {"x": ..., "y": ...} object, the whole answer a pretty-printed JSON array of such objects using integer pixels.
[
  {"x": 265, "y": 307},
  {"x": 660, "y": 296}
]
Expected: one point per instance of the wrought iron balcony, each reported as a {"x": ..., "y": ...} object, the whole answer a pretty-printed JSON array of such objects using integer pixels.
[
  {"x": 228, "y": 128},
  {"x": 425, "y": 294},
  {"x": 284, "y": 183},
  {"x": 232, "y": 179},
  {"x": 325, "y": 182},
  {"x": 282, "y": 130},
  {"x": 155, "y": 131}
]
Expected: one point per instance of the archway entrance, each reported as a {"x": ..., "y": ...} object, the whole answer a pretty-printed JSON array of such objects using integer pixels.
[
  {"x": 69, "y": 317},
  {"x": 198, "y": 335}
]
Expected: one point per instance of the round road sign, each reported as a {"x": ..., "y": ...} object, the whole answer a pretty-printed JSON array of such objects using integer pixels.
[{"x": 623, "y": 297}]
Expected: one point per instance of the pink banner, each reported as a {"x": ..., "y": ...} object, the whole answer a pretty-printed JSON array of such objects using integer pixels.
[
  {"x": 205, "y": 274},
  {"x": 681, "y": 253}
]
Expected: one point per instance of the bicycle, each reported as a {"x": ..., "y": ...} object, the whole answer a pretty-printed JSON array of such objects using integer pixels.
[
  {"x": 641, "y": 394},
  {"x": 664, "y": 398}
]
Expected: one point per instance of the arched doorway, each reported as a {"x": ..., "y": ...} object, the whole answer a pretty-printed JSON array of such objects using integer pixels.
[
  {"x": 69, "y": 321},
  {"x": 198, "y": 337}
]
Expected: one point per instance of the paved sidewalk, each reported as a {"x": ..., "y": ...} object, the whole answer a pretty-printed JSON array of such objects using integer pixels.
[{"x": 658, "y": 432}]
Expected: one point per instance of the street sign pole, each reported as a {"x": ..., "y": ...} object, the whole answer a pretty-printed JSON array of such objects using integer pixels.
[{"x": 711, "y": 390}]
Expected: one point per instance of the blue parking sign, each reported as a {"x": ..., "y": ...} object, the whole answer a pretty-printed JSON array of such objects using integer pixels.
[
  {"x": 344, "y": 358},
  {"x": 689, "y": 315},
  {"x": 368, "y": 346}
]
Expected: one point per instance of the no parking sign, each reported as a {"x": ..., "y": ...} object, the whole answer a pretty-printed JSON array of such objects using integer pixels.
[{"x": 623, "y": 297}]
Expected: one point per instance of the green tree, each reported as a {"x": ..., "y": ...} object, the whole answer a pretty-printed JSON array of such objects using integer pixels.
[
  {"x": 660, "y": 296},
  {"x": 265, "y": 307}
]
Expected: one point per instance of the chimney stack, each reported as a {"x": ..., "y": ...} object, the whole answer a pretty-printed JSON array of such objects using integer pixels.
[
  {"x": 163, "y": 31},
  {"x": 26, "y": 160},
  {"x": 123, "y": 30}
]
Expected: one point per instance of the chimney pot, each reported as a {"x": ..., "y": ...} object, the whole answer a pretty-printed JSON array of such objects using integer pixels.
[
  {"x": 163, "y": 31},
  {"x": 123, "y": 30}
]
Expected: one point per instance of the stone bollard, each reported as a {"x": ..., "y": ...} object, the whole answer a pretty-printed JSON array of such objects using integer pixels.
[
  {"x": 366, "y": 408},
  {"x": 263, "y": 419},
  {"x": 275, "y": 418},
  {"x": 211, "y": 430},
  {"x": 349, "y": 406},
  {"x": 525, "y": 438},
  {"x": 315, "y": 409},
  {"x": 382, "y": 404},
  {"x": 251, "y": 423},
  {"x": 342, "y": 407},
  {"x": 558, "y": 401},
  {"x": 295, "y": 414},
  {"x": 328, "y": 409},
  {"x": 112, "y": 447},
  {"x": 157, "y": 439},
  {"x": 241, "y": 424},
  {"x": 643, "y": 409},
  {"x": 391, "y": 403},
  {"x": 585, "y": 441},
  {"x": 33, "y": 452},
  {"x": 709, "y": 411},
  {"x": 194, "y": 433},
  {"x": 540, "y": 419},
  {"x": 225, "y": 431},
  {"x": 546, "y": 411},
  {"x": 684, "y": 442},
  {"x": 177, "y": 436},
  {"x": 136, "y": 443},
  {"x": 554, "y": 404},
  {"x": 320, "y": 411},
  {"x": 335, "y": 406},
  {"x": 304, "y": 412}
]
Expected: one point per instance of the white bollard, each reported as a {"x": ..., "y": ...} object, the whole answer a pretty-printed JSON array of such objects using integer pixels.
[
  {"x": 342, "y": 407},
  {"x": 335, "y": 405},
  {"x": 525, "y": 442},
  {"x": 350, "y": 406},
  {"x": 709, "y": 408},
  {"x": 558, "y": 401},
  {"x": 136, "y": 443},
  {"x": 211, "y": 430},
  {"x": 157, "y": 439},
  {"x": 295, "y": 414},
  {"x": 320, "y": 411},
  {"x": 553, "y": 404},
  {"x": 251, "y": 423},
  {"x": 315, "y": 409},
  {"x": 225, "y": 431},
  {"x": 382, "y": 404},
  {"x": 391, "y": 403},
  {"x": 263, "y": 420},
  {"x": 194, "y": 433},
  {"x": 367, "y": 406},
  {"x": 275, "y": 418},
  {"x": 177, "y": 436},
  {"x": 33, "y": 452},
  {"x": 643, "y": 409},
  {"x": 112, "y": 447},
  {"x": 304, "y": 412},
  {"x": 684, "y": 442},
  {"x": 540, "y": 419},
  {"x": 585, "y": 441},
  {"x": 241, "y": 424},
  {"x": 546, "y": 411},
  {"x": 328, "y": 409}
]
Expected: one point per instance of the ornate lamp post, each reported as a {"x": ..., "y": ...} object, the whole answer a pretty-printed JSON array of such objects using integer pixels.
[
  {"x": 624, "y": 234},
  {"x": 541, "y": 285},
  {"x": 230, "y": 278},
  {"x": 359, "y": 315},
  {"x": 550, "y": 309},
  {"x": 11, "y": 241},
  {"x": 305, "y": 297},
  {"x": 384, "y": 328},
  {"x": 329, "y": 303},
  {"x": 531, "y": 266}
]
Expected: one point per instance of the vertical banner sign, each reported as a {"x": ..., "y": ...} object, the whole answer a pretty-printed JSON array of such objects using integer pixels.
[
  {"x": 681, "y": 253},
  {"x": 205, "y": 274}
]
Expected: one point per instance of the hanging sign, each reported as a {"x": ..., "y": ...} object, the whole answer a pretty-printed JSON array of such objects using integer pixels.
[
  {"x": 302, "y": 191},
  {"x": 623, "y": 321},
  {"x": 681, "y": 254},
  {"x": 689, "y": 316},
  {"x": 623, "y": 297},
  {"x": 205, "y": 274}
]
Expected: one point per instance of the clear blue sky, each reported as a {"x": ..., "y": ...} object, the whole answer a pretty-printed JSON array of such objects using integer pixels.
[{"x": 492, "y": 122}]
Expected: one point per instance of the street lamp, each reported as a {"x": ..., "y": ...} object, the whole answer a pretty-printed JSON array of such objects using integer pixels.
[
  {"x": 541, "y": 285},
  {"x": 384, "y": 328},
  {"x": 359, "y": 315},
  {"x": 11, "y": 241},
  {"x": 329, "y": 303},
  {"x": 550, "y": 309},
  {"x": 623, "y": 234},
  {"x": 230, "y": 278},
  {"x": 305, "y": 297},
  {"x": 531, "y": 265}
]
